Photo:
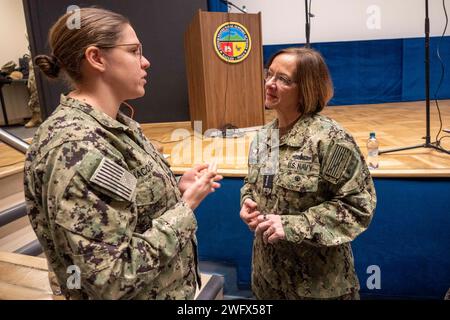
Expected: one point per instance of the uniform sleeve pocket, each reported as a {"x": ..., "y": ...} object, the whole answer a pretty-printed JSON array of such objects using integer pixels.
[
  {"x": 93, "y": 262},
  {"x": 298, "y": 182}
]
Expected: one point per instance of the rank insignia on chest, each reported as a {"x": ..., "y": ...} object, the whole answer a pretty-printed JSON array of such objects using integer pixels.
[
  {"x": 268, "y": 183},
  {"x": 114, "y": 178}
]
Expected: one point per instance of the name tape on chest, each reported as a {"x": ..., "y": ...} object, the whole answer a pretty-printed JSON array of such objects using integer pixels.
[
  {"x": 114, "y": 178},
  {"x": 302, "y": 166}
]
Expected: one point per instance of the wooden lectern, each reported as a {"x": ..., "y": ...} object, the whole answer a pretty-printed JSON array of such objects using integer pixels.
[{"x": 224, "y": 92}]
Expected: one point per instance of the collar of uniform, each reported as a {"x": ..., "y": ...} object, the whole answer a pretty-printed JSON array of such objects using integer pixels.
[
  {"x": 291, "y": 139},
  {"x": 130, "y": 123},
  {"x": 101, "y": 117}
]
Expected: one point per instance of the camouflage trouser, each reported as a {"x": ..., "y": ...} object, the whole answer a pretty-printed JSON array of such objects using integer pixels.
[
  {"x": 267, "y": 292},
  {"x": 354, "y": 295}
]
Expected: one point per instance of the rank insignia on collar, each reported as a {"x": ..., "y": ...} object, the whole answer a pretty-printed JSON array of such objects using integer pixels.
[{"x": 268, "y": 183}]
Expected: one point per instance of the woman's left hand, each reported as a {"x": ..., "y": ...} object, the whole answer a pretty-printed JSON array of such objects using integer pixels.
[
  {"x": 190, "y": 176},
  {"x": 270, "y": 228}
]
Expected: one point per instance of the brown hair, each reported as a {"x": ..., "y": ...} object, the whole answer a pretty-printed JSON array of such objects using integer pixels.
[
  {"x": 313, "y": 79},
  {"x": 97, "y": 27}
]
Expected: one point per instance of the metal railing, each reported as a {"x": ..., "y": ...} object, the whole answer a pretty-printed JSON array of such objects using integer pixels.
[
  {"x": 13, "y": 141},
  {"x": 18, "y": 211},
  {"x": 33, "y": 248}
]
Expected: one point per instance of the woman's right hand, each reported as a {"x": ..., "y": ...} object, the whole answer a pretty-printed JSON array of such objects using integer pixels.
[
  {"x": 199, "y": 189},
  {"x": 249, "y": 213}
]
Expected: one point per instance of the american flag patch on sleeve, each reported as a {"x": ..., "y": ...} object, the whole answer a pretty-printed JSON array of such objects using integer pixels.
[
  {"x": 114, "y": 178},
  {"x": 337, "y": 162}
]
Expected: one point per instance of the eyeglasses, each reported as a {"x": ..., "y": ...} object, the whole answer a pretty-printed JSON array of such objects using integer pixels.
[
  {"x": 137, "y": 51},
  {"x": 278, "y": 78}
]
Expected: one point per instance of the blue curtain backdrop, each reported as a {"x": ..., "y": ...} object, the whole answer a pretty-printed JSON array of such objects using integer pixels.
[
  {"x": 216, "y": 6},
  {"x": 377, "y": 71}
]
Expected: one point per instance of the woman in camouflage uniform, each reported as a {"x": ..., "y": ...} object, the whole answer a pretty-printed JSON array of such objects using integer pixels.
[
  {"x": 308, "y": 192},
  {"x": 103, "y": 202}
]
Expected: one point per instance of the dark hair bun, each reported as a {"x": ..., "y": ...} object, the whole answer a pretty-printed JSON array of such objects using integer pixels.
[{"x": 48, "y": 65}]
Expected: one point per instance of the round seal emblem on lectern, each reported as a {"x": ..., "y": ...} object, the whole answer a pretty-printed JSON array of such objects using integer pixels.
[{"x": 232, "y": 42}]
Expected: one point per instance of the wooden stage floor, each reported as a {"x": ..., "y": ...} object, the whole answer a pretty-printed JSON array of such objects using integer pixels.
[{"x": 396, "y": 125}]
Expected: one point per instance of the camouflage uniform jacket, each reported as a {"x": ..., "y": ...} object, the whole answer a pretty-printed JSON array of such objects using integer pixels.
[
  {"x": 325, "y": 195},
  {"x": 100, "y": 197}
]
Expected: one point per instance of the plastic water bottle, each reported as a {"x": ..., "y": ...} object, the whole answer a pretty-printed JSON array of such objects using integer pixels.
[{"x": 372, "y": 151}]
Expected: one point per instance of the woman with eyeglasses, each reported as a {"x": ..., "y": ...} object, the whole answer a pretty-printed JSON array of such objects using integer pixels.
[
  {"x": 109, "y": 213},
  {"x": 308, "y": 192}
]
